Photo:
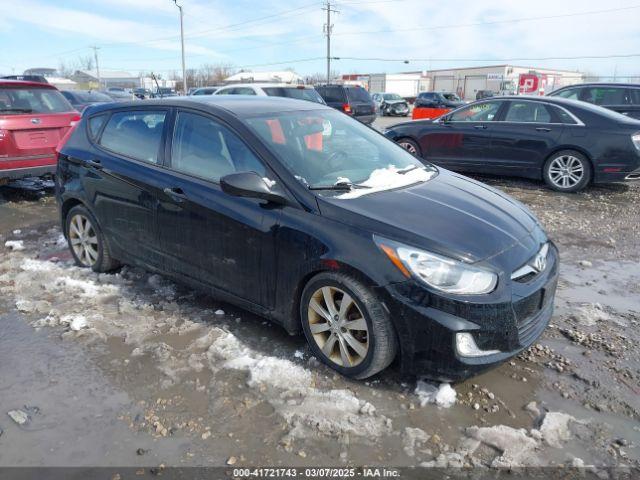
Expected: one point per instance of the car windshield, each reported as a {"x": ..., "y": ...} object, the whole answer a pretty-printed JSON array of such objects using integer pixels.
[
  {"x": 15, "y": 100},
  {"x": 328, "y": 151},
  {"x": 309, "y": 94},
  {"x": 391, "y": 96}
]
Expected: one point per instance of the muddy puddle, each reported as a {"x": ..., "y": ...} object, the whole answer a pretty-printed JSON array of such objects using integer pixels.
[{"x": 132, "y": 369}]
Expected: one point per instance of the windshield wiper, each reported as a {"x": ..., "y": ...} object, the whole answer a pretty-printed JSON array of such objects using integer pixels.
[
  {"x": 19, "y": 110},
  {"x": 410, "y": 168},
  {"x": 338, "y": 186}
]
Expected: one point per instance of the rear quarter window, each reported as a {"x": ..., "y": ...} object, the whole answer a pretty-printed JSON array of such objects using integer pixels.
[
  {"x": 134, "y": 134},
  {"x": 94, "y": 124}
]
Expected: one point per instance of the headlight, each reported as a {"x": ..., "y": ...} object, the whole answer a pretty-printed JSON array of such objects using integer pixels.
[
  {"x": 635, "y": 138},
  {"x": 441, "y": 273}
]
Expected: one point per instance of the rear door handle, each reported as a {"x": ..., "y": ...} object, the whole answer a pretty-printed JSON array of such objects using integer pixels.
[
  {"x": 176, "y": 194},
  {"x": 480, "y": 127},
  {"x": 94, "y": 164},
  {"x": 543, "y": 129}
]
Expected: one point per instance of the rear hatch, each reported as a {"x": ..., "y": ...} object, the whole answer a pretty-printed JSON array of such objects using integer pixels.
[
  {"x": 33, "y": 119},
  {"x": 360, "y": 102}
]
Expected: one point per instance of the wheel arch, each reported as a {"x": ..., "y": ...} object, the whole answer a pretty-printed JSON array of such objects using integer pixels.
[{"x": 580, "y": 150}]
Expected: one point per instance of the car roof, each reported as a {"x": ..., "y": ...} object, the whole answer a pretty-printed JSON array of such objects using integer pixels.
[
  {"x": 240, "y": 106},
  {"x": 600, "y": 84},
  {"x": 6, "y": 82},
  {"x": 266, "y": 85}
]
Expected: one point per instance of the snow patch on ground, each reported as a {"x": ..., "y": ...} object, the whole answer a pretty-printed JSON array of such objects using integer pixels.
[
  {"x": 589, "y": 315},
  {"x": 292, "y": 391},
  {"x": 15, "y": 245},
  {"x": 443, "y": 396},
  {"x": 388, "y": 178},
  {"x": 516, "y": 446}
]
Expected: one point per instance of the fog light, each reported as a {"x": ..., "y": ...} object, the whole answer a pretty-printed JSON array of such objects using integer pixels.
[{"x": 466, "y": 346}]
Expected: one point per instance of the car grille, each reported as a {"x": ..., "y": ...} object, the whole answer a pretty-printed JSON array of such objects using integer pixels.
[{"x": 530, "y": 323}]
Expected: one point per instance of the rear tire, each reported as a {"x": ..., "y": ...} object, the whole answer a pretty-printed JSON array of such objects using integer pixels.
[
  {"x": 567, "y": 171},
  {"x": 346, "y": 326},
  {"x": 86, "y": 241},
  {"x": 410, "y": 146}
]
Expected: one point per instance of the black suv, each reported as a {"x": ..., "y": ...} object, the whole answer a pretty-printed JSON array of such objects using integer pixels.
[
  {"x": 438, "y": 100},
  {"x": 350, "y": 99},
  {"x": 623, "y": 98}
]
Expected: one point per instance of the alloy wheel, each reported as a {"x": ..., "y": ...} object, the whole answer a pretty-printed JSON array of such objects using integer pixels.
[
  {"x": 338, "y": 326},
  {"x": 83, "y": 240},
  {"x": 409, "y": 147},
  {"x": 566, "y": 171}
]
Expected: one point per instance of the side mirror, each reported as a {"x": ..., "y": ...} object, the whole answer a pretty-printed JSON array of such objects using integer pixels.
[{"x": 250, "y": 185}]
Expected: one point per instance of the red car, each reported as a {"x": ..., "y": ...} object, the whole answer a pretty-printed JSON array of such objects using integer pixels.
[{"x": 34, "y": 117}]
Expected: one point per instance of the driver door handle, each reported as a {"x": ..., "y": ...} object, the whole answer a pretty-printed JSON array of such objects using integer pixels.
[
  {"x": 543, "y": 129},
  {"x": 480, "y": 127},
  {"x": 176, "y": 194}
]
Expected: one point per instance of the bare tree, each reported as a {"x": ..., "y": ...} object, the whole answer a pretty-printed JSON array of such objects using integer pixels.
[
  {"x": 64, "y": 70},
  {"x": 84, "y": 62}
]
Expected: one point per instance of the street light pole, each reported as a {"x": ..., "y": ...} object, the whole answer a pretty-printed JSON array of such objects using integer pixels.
[{"x": 184, "y": 70}]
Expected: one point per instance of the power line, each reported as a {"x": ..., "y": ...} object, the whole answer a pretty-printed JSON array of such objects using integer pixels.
[{"x": 493, "y": 22}]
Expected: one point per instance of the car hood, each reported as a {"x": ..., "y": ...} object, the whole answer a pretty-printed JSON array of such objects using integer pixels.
[
  {"x": 449, "y": 214},
  {"x": 394, "y": 102}
]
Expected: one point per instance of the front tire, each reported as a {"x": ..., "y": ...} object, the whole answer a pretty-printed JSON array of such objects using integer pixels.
[
  {"x": 346, "y": 326},
  {"x": 567, "y": 171},
  {"x": 86, "y": 241}
]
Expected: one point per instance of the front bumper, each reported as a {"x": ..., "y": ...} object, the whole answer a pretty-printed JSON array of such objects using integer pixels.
[{"x": 427, "y": 325}]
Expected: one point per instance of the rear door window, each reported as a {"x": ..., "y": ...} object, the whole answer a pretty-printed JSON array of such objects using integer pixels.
[
  {"x": 204, "y": 148},
  {"x": 527, "y": 112},
  {"x": 358, "y": 95},
  {"x": 135, "y": 134},
  {"x": 18, "y": 101}
]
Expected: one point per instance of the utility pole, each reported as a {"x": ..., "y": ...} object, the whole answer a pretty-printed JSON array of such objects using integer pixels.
[
  {"x": 95, "y": 56},
  {"x": 328, "y": 27},
  {"x": 184, "y": 69}
]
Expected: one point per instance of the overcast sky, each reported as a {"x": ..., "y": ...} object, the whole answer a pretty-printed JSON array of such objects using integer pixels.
[{"x": 143, "y": 35}]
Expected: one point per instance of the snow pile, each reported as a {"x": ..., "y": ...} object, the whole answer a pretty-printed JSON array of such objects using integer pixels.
[
  {"x": 516, "y": 446},
  {"x": 443, "y": 396},
  {"x": 589, "y": 315},
  {"x": 413, "y": 438},
  {"x": 292, "y": 391},
  {"x": 555, "y": 428},
  {"x": 388, "y": 178},
  {"x": 15, "y": 245},
  {"x": 519, "y": 447}
]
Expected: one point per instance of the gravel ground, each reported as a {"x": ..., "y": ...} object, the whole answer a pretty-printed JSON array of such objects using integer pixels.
[{"x": 144, "y": 372}]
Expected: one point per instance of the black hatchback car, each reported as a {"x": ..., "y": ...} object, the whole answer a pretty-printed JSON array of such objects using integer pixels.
[
  {"x": 297, "y": 212},
  {"x": 350, "y": 99},
  {"x": 567, "y": 143}
]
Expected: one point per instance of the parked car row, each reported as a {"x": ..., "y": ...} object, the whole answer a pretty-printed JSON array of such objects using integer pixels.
[{"x": 567, "y": 143}]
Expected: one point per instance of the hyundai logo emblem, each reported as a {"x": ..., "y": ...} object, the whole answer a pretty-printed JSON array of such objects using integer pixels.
[{"x": 35, "y": 121}]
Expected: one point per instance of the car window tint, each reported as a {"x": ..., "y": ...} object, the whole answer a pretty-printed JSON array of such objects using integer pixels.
[
  {"x": 569, "y": 93},
  {"x": 332, "y": 94},
  {"x": 226, "y": 91},
  {"x": 604, "y": 95},
  {"x": 480, "y": 112},
  {"x": 33, "y": 100},
  {"x": 358, "y": 95},
  {"x": 308, "y": 94},
  {"x": 95, "y": 124},
  {"x": 634, "y": 95},
  {"x": 564, "y": 116},
  {"x": 135, "y": 134},
  {"x": 530, "y": 112},
  {"x": 206, "y": 149}
]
